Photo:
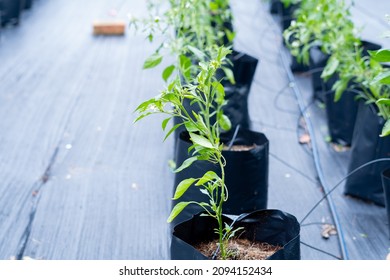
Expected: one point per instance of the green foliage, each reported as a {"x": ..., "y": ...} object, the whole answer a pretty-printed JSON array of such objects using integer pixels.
[
  {"x": 386, "y": 129},
  {"x": 323, "y": 23},
  {"x": 327, "y": 24},
  {"x": 188, "y": 29},
  {"x": 208, "y": 93},
  {"x": 153, "y": 61}
]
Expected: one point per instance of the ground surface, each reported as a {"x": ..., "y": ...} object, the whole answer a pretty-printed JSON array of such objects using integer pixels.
[{"x": 80, "y": 181}]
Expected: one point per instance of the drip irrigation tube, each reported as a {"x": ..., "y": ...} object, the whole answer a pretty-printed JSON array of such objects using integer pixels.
[
  {"x": 303, "y": 108},
  {"x": 310, "y": 129}
]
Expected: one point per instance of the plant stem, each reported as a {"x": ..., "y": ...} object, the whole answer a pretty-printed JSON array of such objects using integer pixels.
[{"x": 219, "y": 208}]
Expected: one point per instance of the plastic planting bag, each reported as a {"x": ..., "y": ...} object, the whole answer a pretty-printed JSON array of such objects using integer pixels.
[
  {"x": 272, "y": 226},
  {"x": 246, "y": 174},
  {"x": 386, "y": 189},
  {"x": 367, "y": 146}
]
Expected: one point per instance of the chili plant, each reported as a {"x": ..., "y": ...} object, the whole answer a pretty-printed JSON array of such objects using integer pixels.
[
  {"x": 331, "y": 28},
  {"x": 208, "y": 94},
  {"x": 186, "y": 26},
  {"x": 320, "y": 23},
  {"x": 383, "y": 79}
]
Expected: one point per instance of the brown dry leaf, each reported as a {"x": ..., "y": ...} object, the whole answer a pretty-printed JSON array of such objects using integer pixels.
[
  {"x": 304, "y": 139},
  {"x": 328, "y": 230},
  {"x": 340, "y": 148}
]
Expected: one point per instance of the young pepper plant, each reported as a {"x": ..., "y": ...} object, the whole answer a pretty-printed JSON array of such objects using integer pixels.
[
  {"x": 186, "y": 26},
  {"x": 320, "y": 23},
  {"x": 383, "y": 79},
  {"x": 208, "y": 94}
]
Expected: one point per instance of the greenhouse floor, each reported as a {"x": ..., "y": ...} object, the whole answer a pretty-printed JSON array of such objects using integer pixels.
[{"x": 81, "y": 181}]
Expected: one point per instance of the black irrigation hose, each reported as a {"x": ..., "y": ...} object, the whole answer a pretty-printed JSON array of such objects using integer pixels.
[
  {"x": 276, "y": 99},
  {"x": 309, "y": 152},
  {"x": 234, "y": 137},
  {"x": 303, "y": 108},
  {"x": 310, "y": 129},
  {"x": 322, "y": 251},
  {"x": 312, "y": 71},
  {"x": 339, "y": 183}
]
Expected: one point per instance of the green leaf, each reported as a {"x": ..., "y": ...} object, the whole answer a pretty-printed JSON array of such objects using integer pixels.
[
  {"x": 142, "y": 116},
  {"x": 168, "y": 72},
  {"x": 165, "y": 122},
  {"x": 219, "y": 88},
  {"x": 190, "y": 126},
  {"x": 145, "y": 105},
  {"x": 185, "y": 66},
  {"x": 383, "y": 101},
  {"x": 183, "y": 187},
  {"x": 386, "y": 129},
  {"x": 224, "y": 122},
  {"x": 208, "y": 176},
  {"x": 330, "y": 68},
  {"x": 177, "y": 210},
  {"x": 186, "y": 163},
  {"x": 201, "y": 141},
  {"x": 213, "y": 6},
  {"x": 153, "y": 61},
  {"x": 199, "y": 54},
  {"x": 172, "y": 164},
  {"x": 383, "y": 78},
  {"x": 229, "y": 75},
  {"x": 172, "y": 130},
  {"x": 381, "y": 55},
  {"x": 339, "y": 87},
  {"x": 220, "y": 96},
  {"x": 230, "y": 35}
]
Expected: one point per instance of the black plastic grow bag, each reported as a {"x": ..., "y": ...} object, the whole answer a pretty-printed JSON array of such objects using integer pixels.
[
  {"x": 11, "y": 11},
  {"x": 236, "y": 108},
  {"x": 272, "y": 226},
  {"x": 288, "y": 15},
  {"x": 276, "y": 7},
  {"x": 246, "y": 175},
  {"x": 318, "y": 61},
  {"x": 386, "y": 190},
  {"x": 27, "y": 4},
  {"x": 341, "y": 115},
  {"x": 243, "y": 67},
  {"x": 367, "y": 145}
]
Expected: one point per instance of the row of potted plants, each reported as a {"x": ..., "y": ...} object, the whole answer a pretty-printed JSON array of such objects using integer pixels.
[
  {"x": 10, "y": 10},
  {"x": 206, "y": 99},
  {"x": 351, "y": 77}
]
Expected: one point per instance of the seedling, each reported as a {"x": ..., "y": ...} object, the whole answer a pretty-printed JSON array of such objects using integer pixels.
[{"x": 208, "y": 93}]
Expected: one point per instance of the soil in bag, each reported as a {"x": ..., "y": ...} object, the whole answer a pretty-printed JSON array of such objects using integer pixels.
[{"x": 274, "y": 229}]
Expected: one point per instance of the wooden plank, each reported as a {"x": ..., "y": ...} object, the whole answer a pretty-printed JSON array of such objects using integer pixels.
[{"x": 109, "y": 28}]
